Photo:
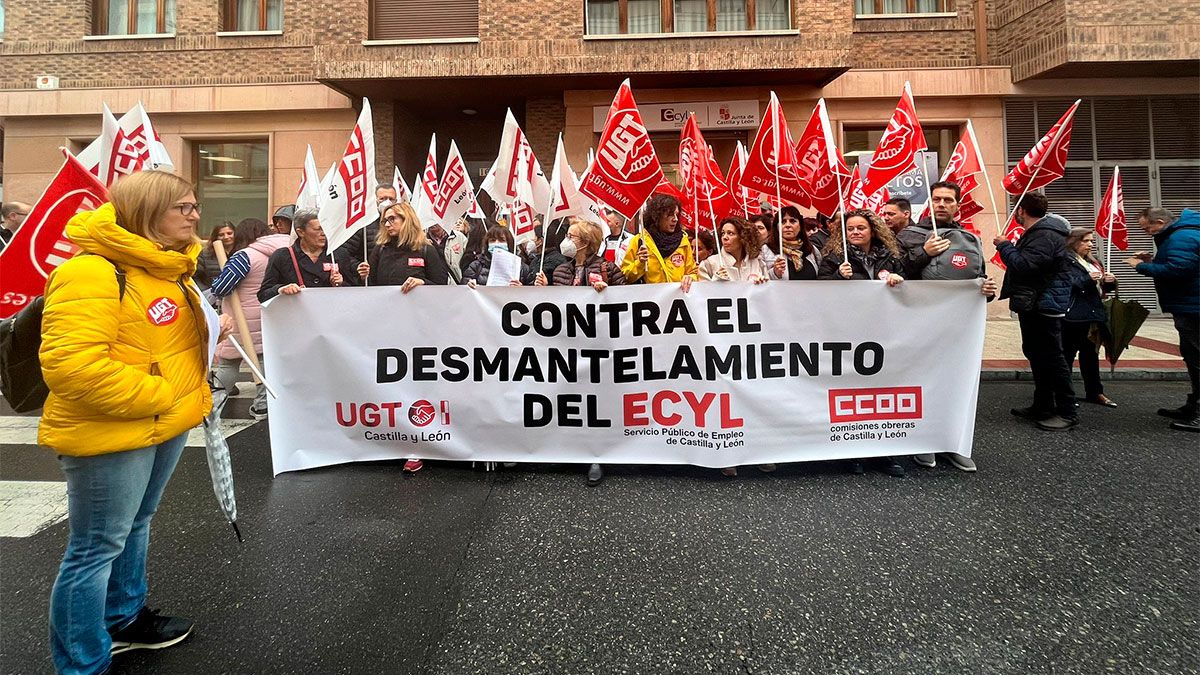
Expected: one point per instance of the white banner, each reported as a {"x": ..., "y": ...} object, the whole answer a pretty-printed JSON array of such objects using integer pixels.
[{"x": 728, "y": 374}]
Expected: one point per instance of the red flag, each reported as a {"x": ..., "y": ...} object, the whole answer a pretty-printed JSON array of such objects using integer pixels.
[
  {"x": 626, "y": 169},
  {"x": 1012, "y": 232},
  {"x": 703, "y": 185},
  {"x": 898, "y": 147},
  {"x": 1047, "y": 161},
  {"x": 821, "y": 167},
  {"x": 743, "y": 203},
  {"x": 1110, "y": 222},
  {"x": 760, "y": 172},
  {"x": 39, "y": 246}
]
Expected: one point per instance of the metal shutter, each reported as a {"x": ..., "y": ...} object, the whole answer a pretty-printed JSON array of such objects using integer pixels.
[
  {"x": 1176, "y": 127},
  {"x": 1073, "y": 196},
  {"x": 1122, "y": 129},
  {"x": 1019, "y": 129},
  {"x": 419, "y": 20},
  {"x": 1179, "y": 187},
  {"x": 1135, "y": 187}
]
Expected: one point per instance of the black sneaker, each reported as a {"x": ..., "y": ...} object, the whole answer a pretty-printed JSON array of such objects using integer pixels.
[
  {"x": 1184, "y": 412},
  {"x": 1192, "y": 425},
  {"x": 1031, "y": 413},
  {"x": 891, "y": 467},
  {"x": 150, "y": 630},
  {"x": 595, "y": 474},
  {"x": 1057, "y": 423}
]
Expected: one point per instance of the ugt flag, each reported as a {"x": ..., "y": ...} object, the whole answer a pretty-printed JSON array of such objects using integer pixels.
[
  {"x": 348, "y": 203},
  {"x": 898, "y": 147},
  {"x": 1046, "y": 162},
  {"x": 39, "y": 246},
  {"x": 626, "y": 169},
  {"x": 1110, "y": 222},
  {"x": 820, "y": 166},
  {"x": 772, "y": 165}
]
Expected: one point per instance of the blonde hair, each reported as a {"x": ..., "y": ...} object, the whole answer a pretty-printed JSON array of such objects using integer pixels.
[
  {"x": 880, "y": 233},
  {"x": 143, "y": 199},
  {"x": 411, "y": 236},
  {"x": 590, "y": 234}
]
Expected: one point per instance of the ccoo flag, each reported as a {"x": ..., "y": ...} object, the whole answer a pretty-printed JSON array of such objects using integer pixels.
[{"x": 348, "y": 202}]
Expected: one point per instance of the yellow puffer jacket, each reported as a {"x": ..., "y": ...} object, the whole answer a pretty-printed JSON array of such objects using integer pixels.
[
  {"x": 123, "y": 373},
  {"x": 658, "y": 270}
]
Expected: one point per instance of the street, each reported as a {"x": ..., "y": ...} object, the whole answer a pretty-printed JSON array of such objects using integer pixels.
[{"x": 1067, "y": 553}]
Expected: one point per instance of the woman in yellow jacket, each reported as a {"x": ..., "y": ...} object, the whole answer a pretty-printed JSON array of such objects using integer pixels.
[
  {"x": 661, "y": 252},
  {"x": 126, "y": 372}
]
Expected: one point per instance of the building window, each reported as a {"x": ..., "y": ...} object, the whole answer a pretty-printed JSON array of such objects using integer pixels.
[
  {"x": 421, "y": 20},
  {"x": 867, "y": 7},
  {"x": 623, "y": 17},
  {"x": 253, "y": 15},
  {"x": 1, "y": 19},
  {"x": 231, "y": 181},
  {"x": 134, "y": 17}
]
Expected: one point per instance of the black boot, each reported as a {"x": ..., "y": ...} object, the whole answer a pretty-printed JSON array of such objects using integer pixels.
[{"x": 1192, "y": 425}]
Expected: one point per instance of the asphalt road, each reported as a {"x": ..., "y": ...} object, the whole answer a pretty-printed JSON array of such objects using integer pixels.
[{"x": 1065, "y": 553}]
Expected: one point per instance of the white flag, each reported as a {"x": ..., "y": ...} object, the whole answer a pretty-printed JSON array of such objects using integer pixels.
[
  {"x": 455, "y": 192},
  {"x": 308, "y": 196},
  {"x": 136, "y": 142},
  {"x": 348, "y": 204},
  {"x": 402, "y": 193},
  {"x": 564, "y": 187},
  {"x": 427, "y": 187},
  {"x": 519, "y": 176}
]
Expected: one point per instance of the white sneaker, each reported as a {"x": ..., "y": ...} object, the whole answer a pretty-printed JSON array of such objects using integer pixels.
[
  {"x": 928, "y": 460},
  {"x": 961, "y": 463}
]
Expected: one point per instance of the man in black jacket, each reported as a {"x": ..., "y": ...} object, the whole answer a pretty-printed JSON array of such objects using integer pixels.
[
  {"x": 897, "y": 213},
  {"x": 1039, "y": 292},
  {"x": 920, "y": 247}
]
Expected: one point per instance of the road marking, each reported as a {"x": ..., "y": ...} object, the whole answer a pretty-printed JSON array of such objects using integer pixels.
[
  {"x": 28, "y": 507},
  {"x": 23, "y": 431}
]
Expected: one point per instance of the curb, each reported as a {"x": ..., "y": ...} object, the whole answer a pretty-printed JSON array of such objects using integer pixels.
[{"x": 1010, "y": 375}]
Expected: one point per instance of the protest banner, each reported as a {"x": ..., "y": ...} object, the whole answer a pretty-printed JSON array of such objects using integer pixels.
[{"x": 725, "y": 375}]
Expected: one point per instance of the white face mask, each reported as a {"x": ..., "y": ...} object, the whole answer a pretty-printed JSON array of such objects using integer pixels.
[
  {"x": 530, "y": 247},
  {"x": 568, "y": 248},
  {"x": 497, "y": 246}
]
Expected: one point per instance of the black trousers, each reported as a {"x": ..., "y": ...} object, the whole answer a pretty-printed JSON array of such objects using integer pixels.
[
  {"x": 1042, "y": 343},
  {"x": 1188, "y": 326},
  {"x": 1075, "y": 340}
]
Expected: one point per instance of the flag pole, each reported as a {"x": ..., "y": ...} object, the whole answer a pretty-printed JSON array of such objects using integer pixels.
[
  {"x": 929, "y": 197},
  {"x": 1112, "y": 212},
  {"x": 986, "y": 180},
  {"x": 1023, "y": 193},
  {"x": 842, "y": 212},
  {"x": 239, "y": 316}
]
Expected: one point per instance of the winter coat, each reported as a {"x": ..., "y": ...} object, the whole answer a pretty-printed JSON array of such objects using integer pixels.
[
  {"x": 481, "y": 269},
  {"x": 1087, "y": 296},
  {"x": 613, "y": 248},
  {"x": 554, "y": 258},
  {"x": 352, "y": 248},
  {"x": 392, "y": 266},
  {"x": 1036, "y": 277},
  {"x": 451, "y": 253},
  {"x": 569, "y": 274},
  {"x": 744, "y": 270},
  {"x": 207, "y": 268},
  {"x": 246, "y": 293},
  {"x": 1176, "y": 266},
  {"x": 281, "y": 271},
  {"x": 660, "y": 268},
  {"x": 912, "y": 247},
  {"x": 124, "y": 372},
  {"x": 865, "y": 265}
]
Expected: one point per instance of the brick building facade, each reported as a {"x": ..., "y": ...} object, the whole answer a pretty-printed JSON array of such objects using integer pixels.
[{"x": 268, "y": 78}]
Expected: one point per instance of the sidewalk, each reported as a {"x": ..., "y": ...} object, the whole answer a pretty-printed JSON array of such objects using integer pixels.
[{"x": 1154, "y": 354}]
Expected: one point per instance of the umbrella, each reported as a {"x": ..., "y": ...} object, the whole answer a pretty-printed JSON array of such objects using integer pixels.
[
  {"x": 219, "y": 466},
  {"x": 1125, "y": 318}
]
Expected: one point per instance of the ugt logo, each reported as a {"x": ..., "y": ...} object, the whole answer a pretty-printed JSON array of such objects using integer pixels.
[
  {"x": 162, "y": 311},
  {"x": 627, "y": 153},
  {"x": 892, "y": 155}
]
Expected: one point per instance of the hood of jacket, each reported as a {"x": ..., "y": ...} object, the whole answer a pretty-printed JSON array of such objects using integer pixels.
[
  {"x": 1053, "y": 221},
  {"x": 97, "y": 232},
  {"x": 270, "y": 243},
  {"x": 1188, "y": 218}
]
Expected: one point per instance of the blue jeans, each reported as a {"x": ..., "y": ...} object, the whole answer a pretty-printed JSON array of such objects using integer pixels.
[{"x": 101, "y": 585}]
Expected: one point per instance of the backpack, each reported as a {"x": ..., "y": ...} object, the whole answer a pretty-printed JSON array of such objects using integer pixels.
[
  {"x": 963, "y": 260},
  {"x": 21, "y": 379}
]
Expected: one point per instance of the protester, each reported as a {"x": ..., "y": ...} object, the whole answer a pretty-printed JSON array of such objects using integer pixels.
[
  {"x": 738, "y": 259},
  {"x": 253, "y": 245},
  {"x": 800, "y": 258},
  {"x": 305, "y": 263},
  {"x": 767, "y": 231},
  {"x": 953, "y": 253},
  {"x": 476, "y": 233},
  {"x": 613, "y": 246},
  {"x": 704, "y": 244},
  {"x": 1089, "y": 284},
  {"x": 547, "y": 258},
  {"x": 1039, "y": 291},
  {"x": 873, "y": 255},
  {"x": 817, "y": 231},
  {"x": 358, "y": 247},
  {"x": 1175, "y": 269},
  {"x": 585, "y": 267},
  {"x": 403, "y": 255},
  {"x": 126, "y": 384},
  {"x": 897, "y": 213},
  {"x": 207, "y": 267},
  {"x": 498, "y": 239},
  {"x": 450, "y": 246},
  {"x": 281, "y": 222},
  {"x": 662, "y": 253},
  {"x": 12, "y": 216}
]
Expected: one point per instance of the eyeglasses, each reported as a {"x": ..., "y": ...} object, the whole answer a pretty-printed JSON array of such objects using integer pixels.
[
  {"x": 391, "y": 220},
  {"x": 188, "y": 208}
]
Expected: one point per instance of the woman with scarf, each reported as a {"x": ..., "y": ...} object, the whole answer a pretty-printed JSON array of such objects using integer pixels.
[
  {"x": 585, "y": 267},
  {"x": 800, "y": 259},
  {"x": 661, "y": 253},
  {"x": 873, "y": 254},
  {"x": 1090, "y": 282},
  {"x": 739, "y": 257}
]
